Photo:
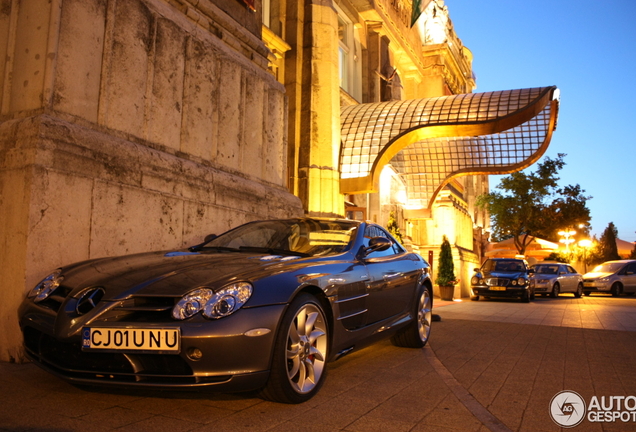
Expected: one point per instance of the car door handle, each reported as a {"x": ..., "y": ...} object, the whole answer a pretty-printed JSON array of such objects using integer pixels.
[{"x": 390, "y": 276}]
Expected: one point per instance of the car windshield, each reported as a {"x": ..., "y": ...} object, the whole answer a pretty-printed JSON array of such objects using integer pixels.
[
  {"x": 304, "y": 237},
  {"x": 608, "y": 267},
  {"x": 546, "y": 269},
  {"x": 512, "y": 266}
]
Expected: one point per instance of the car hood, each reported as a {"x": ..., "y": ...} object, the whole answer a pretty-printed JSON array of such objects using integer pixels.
[
  {"x": 596, "y": 275},
  {"x": 544, "y": 276},
  {"x": 173, "y": 273}
]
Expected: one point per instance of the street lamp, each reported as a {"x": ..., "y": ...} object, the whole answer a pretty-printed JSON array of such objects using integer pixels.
[
  {"x": 585, "y": 244},
  {"x": 566, "y": 238}
]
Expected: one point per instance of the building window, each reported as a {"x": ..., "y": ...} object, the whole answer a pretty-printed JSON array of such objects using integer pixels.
[
  {"x": 273, "y": 16},
  {"x": 349, "y": 66},
  {"x": 343, "y": 52}
]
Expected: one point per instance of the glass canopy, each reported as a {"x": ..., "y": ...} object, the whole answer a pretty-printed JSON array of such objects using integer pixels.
[{"x": 430, "y": 141}]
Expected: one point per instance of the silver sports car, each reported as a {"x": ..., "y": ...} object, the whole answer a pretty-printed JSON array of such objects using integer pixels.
[{"x": 261, "y": 307}]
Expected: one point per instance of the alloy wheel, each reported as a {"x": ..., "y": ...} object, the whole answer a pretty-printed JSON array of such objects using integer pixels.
[
  {"x": 306, "y": 348},
  {"x": 424, "y": 315}
]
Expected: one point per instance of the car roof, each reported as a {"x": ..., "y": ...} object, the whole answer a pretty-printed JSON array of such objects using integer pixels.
[{"x": 620, "y": 261}]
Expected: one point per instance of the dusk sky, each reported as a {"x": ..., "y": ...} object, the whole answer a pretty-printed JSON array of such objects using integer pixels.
[{"x": 587, "y": 49}]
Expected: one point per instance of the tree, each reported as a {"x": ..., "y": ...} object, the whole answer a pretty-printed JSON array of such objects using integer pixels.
[
  {"x": 526, "y": 205},
  {"x": 446, "y": 268},
  {"x": 607, "y": 249}
]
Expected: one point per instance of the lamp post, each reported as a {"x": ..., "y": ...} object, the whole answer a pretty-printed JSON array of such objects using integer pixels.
[
  {"x": 585, "y": 244},
  {"x": 566, "y": 238}
]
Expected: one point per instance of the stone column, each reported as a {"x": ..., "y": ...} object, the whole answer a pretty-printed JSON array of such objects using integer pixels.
[{"x": 319, "y": 132}]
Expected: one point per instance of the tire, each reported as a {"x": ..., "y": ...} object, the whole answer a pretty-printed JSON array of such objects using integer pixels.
[
  {"x": 474, "y": 298},
  {"x": 416, "y": 334},
  {"x": 579, "y": 291},
  {"x": 300, "y": 353},
  {"x": 525, "y": 297},
  {"x": 532, "y": 295},
  {"x": 555, "y": 290},
  {"x": 587, "y": 293},
  {"x": 616, "y": 289}
]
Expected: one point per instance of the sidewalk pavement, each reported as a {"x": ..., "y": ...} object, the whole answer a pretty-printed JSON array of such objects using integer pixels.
[{"x": 488, "y": 366}]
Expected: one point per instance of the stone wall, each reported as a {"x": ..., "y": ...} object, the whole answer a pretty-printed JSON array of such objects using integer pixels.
[{"x": 127, "y": 126}]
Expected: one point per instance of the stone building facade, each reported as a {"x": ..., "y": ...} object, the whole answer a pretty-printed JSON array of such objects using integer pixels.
[
  {"x": 136, "y": 125},
  {"x": 128, "y": 126}
]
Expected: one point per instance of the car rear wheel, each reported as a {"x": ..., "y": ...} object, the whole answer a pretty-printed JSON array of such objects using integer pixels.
[
  {"x": 416, "y": 334},
  {"x": 300, "y": 353},
  {"x": 555, "y": 290},
  {"x": 579, "y": 291},
  {"x": 616, "y": 289}
]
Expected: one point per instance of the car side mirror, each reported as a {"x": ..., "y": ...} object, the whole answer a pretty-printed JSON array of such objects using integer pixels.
[
  {"x": 209, "y": 238},
  {"x": 530, "y": 271},
  {"x": 377, "y": 244}
]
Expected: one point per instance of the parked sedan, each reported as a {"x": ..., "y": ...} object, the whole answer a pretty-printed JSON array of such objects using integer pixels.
[
  {"x": 502, "y": 277},
  {"x": 615, "y": 277},
  {"x": 263, "y": 306},
  {"x": 556, "y": 278}
]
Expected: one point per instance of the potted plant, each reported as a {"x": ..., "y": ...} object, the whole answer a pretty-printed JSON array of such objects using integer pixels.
[
  {"x": 394, "y": 228},
  {"x": 446, "y": 279}
]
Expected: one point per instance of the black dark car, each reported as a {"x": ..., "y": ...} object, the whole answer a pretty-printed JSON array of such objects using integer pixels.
[
  {"x": 502, "y": 277},
  {"x": 263, "y": 306}
]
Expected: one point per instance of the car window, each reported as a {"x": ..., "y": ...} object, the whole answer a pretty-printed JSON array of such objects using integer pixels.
[
  {"x": 570, "y": 269},
  {"x": 511, "y": 266},
  {"x": 375, "y": 231},
  {"x": 608, "y": 267},
  {"x": 547, "y": 269},
  {"x": 307, "y": 236},
  {"x": 631, "y": 268}
]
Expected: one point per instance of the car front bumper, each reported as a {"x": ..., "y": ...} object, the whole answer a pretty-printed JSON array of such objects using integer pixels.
[
  {"x": 542, "y": 287},
  {"x": 484, "y": 291},
  {"x": 230, "y": 359},
  {"x": 596, "y": 286}
]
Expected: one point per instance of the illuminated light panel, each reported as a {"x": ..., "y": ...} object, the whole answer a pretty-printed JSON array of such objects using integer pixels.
[{"x": 430, "y": 141}]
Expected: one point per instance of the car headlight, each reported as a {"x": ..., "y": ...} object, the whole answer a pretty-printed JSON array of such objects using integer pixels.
[
  {"x": 46, "y": 286},
  {"x": 228, "y": 300},
  {"x": 192, "y": 303},
  {"x": 214, "y": 305},
  {"x": 474, "y": 280},
  {"x": 521, "y": 281}
]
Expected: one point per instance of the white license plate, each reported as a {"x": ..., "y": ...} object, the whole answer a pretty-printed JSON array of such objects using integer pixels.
[{"x": 131, "y": 339}]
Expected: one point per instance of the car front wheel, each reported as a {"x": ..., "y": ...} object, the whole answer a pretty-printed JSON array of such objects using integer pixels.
[
  {"x": 579, "y": 291},
  {"x": 555, "y": 291},
  {"x": 300, "y": 353},
  {"x": 416, "y": 334},
  {"x": 616, "y": 289}
]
